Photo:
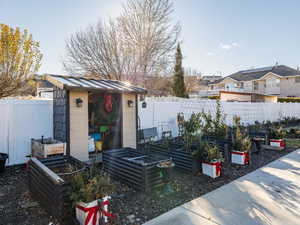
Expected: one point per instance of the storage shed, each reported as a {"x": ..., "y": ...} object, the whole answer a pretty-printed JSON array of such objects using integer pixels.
[{"x": 92, "y": 114}]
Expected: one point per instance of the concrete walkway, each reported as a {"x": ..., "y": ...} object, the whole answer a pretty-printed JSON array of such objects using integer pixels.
[{"x": 269, "y": 195}]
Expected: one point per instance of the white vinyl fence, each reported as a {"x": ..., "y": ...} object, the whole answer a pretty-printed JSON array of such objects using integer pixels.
[
  {"x": 162, "y": 112},
  {"x": 21, "y": 120}
]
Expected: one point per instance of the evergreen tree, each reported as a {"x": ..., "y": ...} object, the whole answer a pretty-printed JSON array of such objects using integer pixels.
[{"x": 179, "y": 89}]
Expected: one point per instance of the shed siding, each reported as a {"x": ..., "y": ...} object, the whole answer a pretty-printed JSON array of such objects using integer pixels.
[
  {"x": 79, "y": 126},
  {"x": 129, "y": 121},
  {"x": 60, "y": 114}
]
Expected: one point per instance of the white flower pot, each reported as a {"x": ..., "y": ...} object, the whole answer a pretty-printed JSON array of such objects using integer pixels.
[
  {"x": 89, "y": 213},
  {"x": 277, "y": 143},
  {"x": 212, "y": 169},
  {"x": 241, "y": 158}
]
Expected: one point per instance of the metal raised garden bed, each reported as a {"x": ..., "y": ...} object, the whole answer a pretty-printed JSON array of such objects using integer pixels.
[
  {"x": 51, "y": 189},
  {"x": 134, "y": 168},
  {"x": 183, "y": 159}
]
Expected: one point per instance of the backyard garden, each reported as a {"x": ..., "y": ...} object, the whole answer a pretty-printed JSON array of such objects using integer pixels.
[{"x": 132, "y": 186}]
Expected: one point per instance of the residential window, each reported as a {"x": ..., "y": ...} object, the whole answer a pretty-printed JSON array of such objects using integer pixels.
[
  {"x": 239, "y": 85},
  {"x": 297, "y": 79},
  {"x": 277, "y": 82},
  {"x": 255, "y": 85}
]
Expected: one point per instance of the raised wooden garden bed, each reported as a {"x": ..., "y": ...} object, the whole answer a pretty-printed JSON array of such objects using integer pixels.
[
  {"x": 42, "y": 148},
  {"x": 134, "y": 168},
  {"x": 51, "y": 189}
]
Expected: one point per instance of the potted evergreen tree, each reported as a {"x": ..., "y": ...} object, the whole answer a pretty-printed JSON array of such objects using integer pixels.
[
  {"x": 276, "y": 136},
  {"x": 213, "y": 159},
  {"x": 90, "y": 197},
  {"x": 241, "y": 144}
]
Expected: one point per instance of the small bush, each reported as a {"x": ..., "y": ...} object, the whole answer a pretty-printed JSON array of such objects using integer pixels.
[
  {"x": 241, "y": 141},
  {"x": 211, "y": 152},
  {"x": 85, "y": 189},
  {"x": 289, "y": 99}
]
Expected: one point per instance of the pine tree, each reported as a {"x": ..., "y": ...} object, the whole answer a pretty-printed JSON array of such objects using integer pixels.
[{"x": 179, "y": 89}]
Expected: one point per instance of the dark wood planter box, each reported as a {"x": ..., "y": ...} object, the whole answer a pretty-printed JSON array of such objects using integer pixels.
[
  {"x": 51, "y": 190},
  {"x": 134, "y": 168}
]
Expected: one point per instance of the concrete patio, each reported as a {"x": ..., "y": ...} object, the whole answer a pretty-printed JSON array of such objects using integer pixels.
[{"x": 269, "y": 195}]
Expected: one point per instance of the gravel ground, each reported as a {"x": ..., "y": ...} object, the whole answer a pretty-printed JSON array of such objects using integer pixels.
[
  {"x": 17, "y": 206},
  {"x": 137, "y": 208},
  {"x": 16, "y": 203}
]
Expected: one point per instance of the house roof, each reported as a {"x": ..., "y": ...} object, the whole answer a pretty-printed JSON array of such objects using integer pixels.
[
  {"x": 254, "y": 74},
  {"x": 82, "y": 83}
]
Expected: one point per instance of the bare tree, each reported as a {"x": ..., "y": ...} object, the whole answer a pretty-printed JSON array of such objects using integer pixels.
[{"x": 141, "y": 41}]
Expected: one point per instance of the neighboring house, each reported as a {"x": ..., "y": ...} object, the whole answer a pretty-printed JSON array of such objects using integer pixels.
[
  {"x": 230, "y": 96},
  {"x": 44, "y": 88},
  {"x": 210, "y": 79},
  {"x": 277, "y": 80}
]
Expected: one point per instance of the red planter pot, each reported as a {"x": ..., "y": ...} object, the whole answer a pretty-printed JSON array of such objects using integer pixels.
[{"x": 212, "y": 169}]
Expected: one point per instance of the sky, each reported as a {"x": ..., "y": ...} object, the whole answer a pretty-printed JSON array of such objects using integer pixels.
[{"x": 218, "y": 36}]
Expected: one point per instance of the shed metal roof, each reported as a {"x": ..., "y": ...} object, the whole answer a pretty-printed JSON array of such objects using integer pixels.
[{"x": 82, "y": 83}]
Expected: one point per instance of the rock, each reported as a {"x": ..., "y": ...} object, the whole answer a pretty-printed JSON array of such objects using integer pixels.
[
  {"x": 29, "y": 205},
  {"x": 131, "y": 218}
]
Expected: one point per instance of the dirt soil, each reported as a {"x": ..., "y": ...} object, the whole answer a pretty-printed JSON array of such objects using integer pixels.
[{"x": 18, "y": 207}]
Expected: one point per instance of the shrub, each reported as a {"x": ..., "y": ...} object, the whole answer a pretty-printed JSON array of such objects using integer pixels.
[
  {"x": 191, "y": 129},
  {"x": 277, "y": 133},
  {"x": 241, "y": 141},
  {"x": 85, "y": 189},
  {"x": 289, "y": 99},
  {"x": 214, "y": 126},
  {"x": 211, "y": 152},
  {"x": 213, "y": 97}
]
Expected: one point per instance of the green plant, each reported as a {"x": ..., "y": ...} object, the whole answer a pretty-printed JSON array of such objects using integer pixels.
[
  {"x": 199, "y": 152},
  {"x": 191, "y": 129},
  {"x": 289, "y": 99},
  {"x": 213, "y": 153},
  {"x": 213, "y": 97},
  {"x": 219, "y": 126},
  {"x": 85, "y": 189},
  {"x": 214, "y": 126},
  {"x": 241, "y": 140},
  {"x": 277, "y": 133},
  {"x": 179, "y": 88},
  {"x": 207, "y": 128}
]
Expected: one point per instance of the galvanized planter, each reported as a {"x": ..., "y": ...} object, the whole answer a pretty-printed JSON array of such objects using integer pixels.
[
  {"x": 49, "y": 189},
  {"x": 183, "y": 159},
  {"x": 134, "y": 168}
]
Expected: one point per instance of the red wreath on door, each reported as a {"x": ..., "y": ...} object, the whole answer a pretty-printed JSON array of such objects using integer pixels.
[{"x": 108, "y": 103}]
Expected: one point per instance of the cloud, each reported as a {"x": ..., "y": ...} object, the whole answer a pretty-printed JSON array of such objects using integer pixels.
[
  {"x": 210, "y": 53},
  {"x": 230, "y": 46}
]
